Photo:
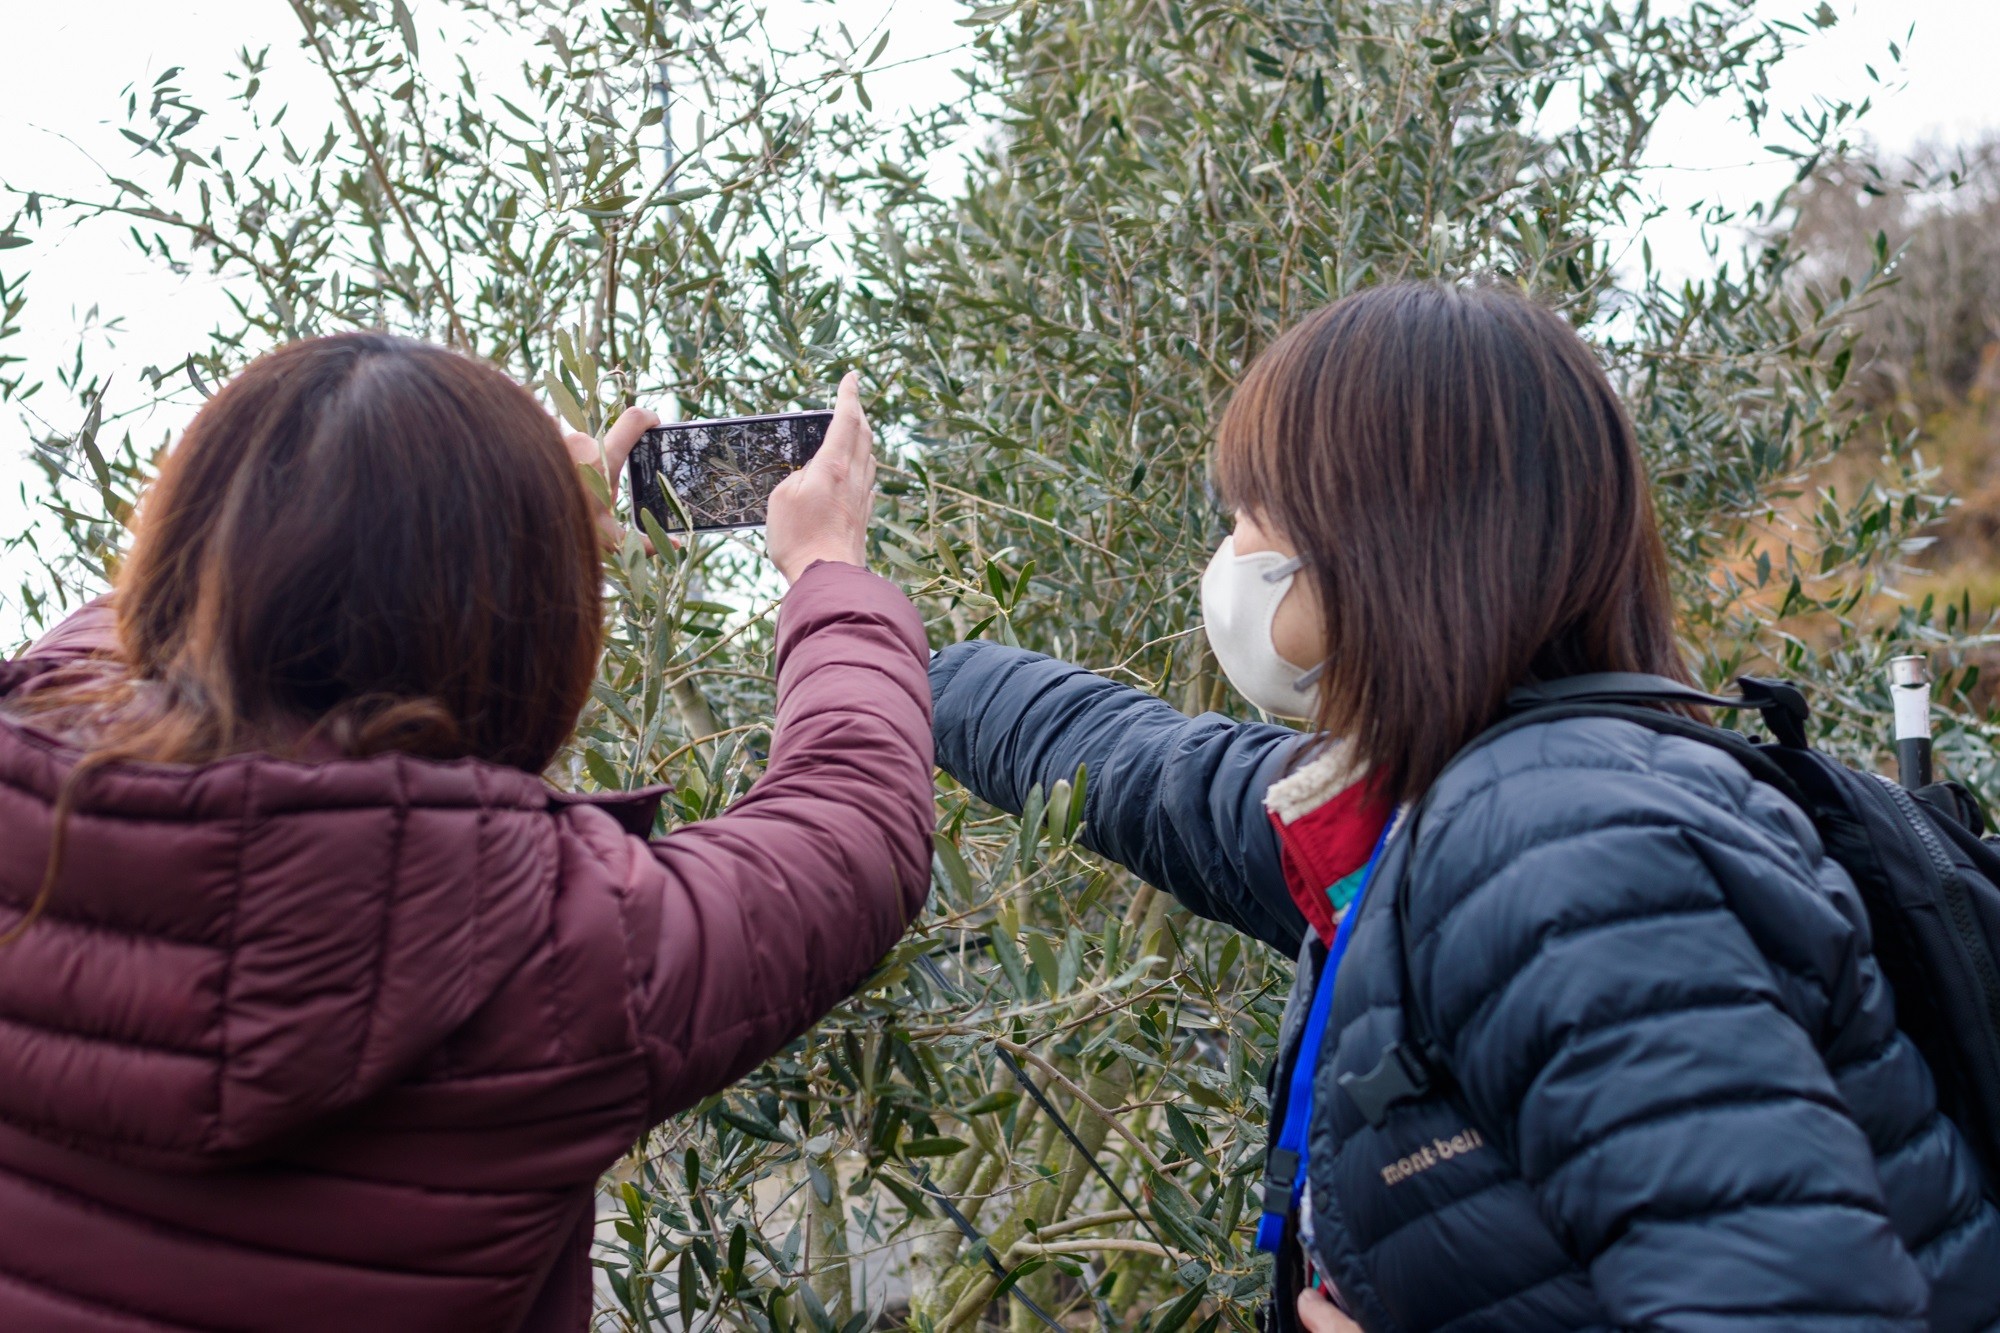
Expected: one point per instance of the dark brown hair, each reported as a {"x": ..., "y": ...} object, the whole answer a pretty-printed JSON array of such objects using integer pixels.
[
  {"x": 1466, "y": 492},
  {"x": 361, "y": 544}
]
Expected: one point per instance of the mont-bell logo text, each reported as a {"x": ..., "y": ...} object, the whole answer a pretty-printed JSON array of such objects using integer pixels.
[{"x": 1428, "y": 1156}]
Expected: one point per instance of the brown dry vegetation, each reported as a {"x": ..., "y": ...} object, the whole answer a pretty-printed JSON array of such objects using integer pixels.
[{"x": 1926, "y": 363}]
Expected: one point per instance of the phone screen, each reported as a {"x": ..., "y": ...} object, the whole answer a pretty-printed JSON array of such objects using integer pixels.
[{"x": 709, "y": 476}]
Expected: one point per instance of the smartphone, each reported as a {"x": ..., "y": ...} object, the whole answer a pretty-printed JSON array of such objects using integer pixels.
[{"x": 717, "y": 476}]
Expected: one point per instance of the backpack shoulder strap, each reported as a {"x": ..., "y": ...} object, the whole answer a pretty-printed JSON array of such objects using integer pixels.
[
  {"x": 1412, "y": 1065},
  {"x": 1619, "y": 686},
  {"x": 1780, "y": 704},
  {"x": 1737, "y": 746}
]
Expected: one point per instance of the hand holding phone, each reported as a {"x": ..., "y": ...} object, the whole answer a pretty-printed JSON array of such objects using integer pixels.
[
  {"x": 717, "y": 476},
  {"x": 808, "y": 476},
  {"x": 609, "y": 461},
  {"x": 821, "y": 512}
]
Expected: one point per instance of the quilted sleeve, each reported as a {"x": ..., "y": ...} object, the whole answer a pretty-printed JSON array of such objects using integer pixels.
[
  {"x": 1178, "y": 800},
  {"x": 753, "y": 924},
  {"x": 1612, "y": 1022}
]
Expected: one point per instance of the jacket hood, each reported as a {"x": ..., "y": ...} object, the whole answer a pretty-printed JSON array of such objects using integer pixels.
[{"x": 237, "y": 951}]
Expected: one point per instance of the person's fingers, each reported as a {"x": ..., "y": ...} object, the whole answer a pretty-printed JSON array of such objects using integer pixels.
[
  {"x": 848, "y": 432},
  {"x": 582, "y": 449},
  {"x": 1317, "y": 1314},
  {"x": 622, "y": 438},
  {"x": 865, "y": 445},
  {"x": 585, "y": 452}
]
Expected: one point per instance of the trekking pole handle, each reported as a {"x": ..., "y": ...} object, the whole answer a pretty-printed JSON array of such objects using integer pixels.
[{"x": 1910, "y": 689}]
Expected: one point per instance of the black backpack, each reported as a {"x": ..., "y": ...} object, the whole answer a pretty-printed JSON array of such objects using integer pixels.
[{"x": 1930, "y": 882}]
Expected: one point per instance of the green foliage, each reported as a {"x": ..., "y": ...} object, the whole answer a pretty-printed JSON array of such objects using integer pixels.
[{"x": 1154, "y": 190}]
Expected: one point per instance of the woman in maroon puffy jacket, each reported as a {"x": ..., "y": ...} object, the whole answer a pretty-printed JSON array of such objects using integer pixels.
[{"x": 318, "y": 1009}]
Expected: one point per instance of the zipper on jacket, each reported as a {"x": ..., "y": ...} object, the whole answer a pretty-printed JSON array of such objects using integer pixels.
[{"x": 1959, "y": 912}]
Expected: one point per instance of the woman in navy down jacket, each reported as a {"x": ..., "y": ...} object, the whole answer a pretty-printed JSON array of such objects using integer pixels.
[{"x": 1675, "y": 1096}]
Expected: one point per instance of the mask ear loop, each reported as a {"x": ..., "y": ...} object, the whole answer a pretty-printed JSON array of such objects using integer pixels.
[{"x": 1285, "y": 571}]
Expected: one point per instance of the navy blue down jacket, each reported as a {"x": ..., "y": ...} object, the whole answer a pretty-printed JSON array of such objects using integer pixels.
[{"x": 1677, "y": 1098}]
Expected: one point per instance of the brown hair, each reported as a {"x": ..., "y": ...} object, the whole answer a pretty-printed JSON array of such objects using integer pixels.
[
  {"x": 361, "y": 543},
  {"x": 1467, "y": 494}
]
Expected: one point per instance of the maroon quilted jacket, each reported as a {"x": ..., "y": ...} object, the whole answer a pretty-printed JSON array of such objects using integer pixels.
[{"x": 346, "y": 1045}]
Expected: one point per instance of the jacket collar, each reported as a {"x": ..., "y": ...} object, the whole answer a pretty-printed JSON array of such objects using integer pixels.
[
  {"x": 636, "y": 810},
  {"x": 1312, "y": 784}
]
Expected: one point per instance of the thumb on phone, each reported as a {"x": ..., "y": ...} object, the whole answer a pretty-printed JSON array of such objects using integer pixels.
[{"x": 821, "y": 512}]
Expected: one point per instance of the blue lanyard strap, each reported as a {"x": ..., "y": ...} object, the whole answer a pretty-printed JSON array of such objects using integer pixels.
[{"x": 1284, "y": 1181}]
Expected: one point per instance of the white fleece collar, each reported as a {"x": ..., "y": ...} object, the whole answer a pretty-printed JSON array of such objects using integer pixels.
[{"x": 1313, "y": 783}]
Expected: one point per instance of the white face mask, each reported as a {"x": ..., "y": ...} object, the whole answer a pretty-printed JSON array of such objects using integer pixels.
[{"x": 1239, "y": 600}]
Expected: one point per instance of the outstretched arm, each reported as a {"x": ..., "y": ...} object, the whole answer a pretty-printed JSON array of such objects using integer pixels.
[
  {"x": 1178, "y": 800},
  {"x": 751, "y": 925},
  {"x": 748, "y": 927}
]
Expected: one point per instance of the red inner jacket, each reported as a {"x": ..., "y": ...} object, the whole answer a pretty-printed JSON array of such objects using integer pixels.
[{"x": 1324, "y": 848}]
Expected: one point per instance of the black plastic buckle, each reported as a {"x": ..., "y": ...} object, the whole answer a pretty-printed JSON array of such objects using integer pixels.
[
  {"x": 1281, "y": 1172},
  {"x": 1783, "y": 707},
  {"x": 1401, "y": 1073}
]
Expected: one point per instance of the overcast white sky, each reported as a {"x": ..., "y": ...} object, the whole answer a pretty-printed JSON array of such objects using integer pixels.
[{"x": 59, "y": 109}]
